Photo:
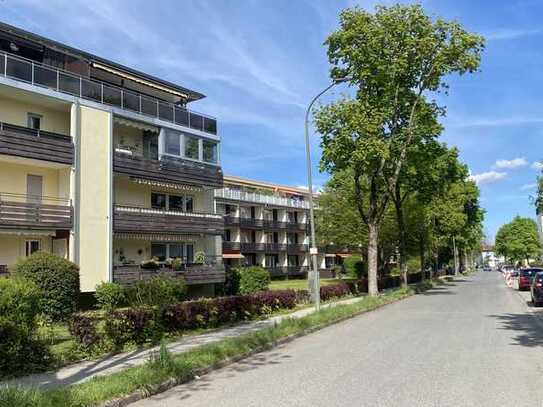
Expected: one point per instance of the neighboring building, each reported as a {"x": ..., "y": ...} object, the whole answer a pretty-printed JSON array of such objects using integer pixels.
[
  {"x": 268, "y": 225},
  {"x": 103, "y": 165},
  {"x": 488, "y": 258}
]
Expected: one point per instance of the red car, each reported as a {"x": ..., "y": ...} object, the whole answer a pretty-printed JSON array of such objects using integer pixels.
[{"x": 525, "y": 278}]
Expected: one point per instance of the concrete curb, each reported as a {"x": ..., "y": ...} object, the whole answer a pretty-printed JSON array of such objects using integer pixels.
[{"x": 162, "y": 387}]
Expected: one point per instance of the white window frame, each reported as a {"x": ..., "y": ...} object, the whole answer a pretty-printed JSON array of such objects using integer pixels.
[
  {"x": 30, "y": 116},
  {"x": 28, "y": 246}
]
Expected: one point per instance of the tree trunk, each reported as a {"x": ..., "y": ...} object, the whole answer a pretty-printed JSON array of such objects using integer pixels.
[
  {"x": 402, "y": 240},
  {"x": 373, "y": 238},
  {"x": 465, "y": 264},
  {"x": 422, "y": 260}
]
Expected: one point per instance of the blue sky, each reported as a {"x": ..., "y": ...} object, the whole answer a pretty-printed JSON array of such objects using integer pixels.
[{"x": 260, "y": 62}]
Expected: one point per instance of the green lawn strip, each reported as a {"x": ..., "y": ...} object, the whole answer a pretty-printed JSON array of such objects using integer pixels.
[
  {"x": 175, "y": 369},
  {"x": 299, "y": 284}
]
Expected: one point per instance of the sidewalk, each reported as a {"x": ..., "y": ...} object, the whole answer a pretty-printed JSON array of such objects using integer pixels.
[{"x": 86, "y": 370}]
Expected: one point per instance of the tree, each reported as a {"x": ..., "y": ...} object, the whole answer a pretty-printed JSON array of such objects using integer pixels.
[
  {"x": 394, "y": 59},
  {"x": 519, "y": 240}
]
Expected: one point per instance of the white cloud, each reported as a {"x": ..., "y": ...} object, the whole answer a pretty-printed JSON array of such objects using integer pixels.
[
  {"x": 527, "y": 187},
  {"x": 509, "y": 34},
  {"x": 514, "y": 163},
  {"x": 537, "y": 165},
  {"x": 488, "y": 177}
]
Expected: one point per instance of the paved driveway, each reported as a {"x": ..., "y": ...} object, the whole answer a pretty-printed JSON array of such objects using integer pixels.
[{"x": 471, "y": 343}]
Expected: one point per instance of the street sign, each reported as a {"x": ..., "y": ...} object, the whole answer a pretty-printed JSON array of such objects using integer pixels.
[{"x": 313, "y": 250}]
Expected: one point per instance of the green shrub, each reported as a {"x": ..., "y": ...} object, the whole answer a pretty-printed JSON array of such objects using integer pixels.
[
  {"x": 58, "y": 280},
  {"x": 199, "y": 257},
  {"x": 109, "y": 296},
  {"x": 354, "y": 267},
  {"x": 20, "y": 349},
  {"x": 157, "y": 291},
  {"x": 176, "y": 264},
  {"x": 248, "y": 280}
]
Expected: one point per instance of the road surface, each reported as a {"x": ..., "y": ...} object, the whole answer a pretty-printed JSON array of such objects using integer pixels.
[{"x": 472, "y": 343}]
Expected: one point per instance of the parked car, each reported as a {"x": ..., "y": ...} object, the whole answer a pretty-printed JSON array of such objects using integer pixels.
[
  {"x": 536, "y": 289},
  {"x": 526, "y": 276}
]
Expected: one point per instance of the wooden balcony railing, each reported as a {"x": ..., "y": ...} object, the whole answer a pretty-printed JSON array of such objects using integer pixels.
[
  {"x": 252, "y": 223},
  {"x": 36, "y": 144},
  {"x": 168, "y": 169},
  {"x": 193, "y": 274},
  {"x": 131, "y": 219},
  {"x": 22, "y": 211},
  {"x": 287, "y": 271}
]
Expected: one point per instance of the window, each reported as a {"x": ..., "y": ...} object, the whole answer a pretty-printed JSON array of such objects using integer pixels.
[
  {"x": 189, "y": 205},
  {"x": 158, "y": 201},
  {"x": 31, "y": 246},
  {"x": 192, "y": 147},
  {"x": 293, "y": 261},
  {"x": 175, "y": 203},
  {"x": 172, "y": 145},
  {"x": 163, "y": 251},
  {"x": 159, "y": 250},
  {"x": 176, "y": 250},
  {"x": 227, "y": 235},
  {"x": 34, "y": 121},
  {"x": 210, "y": 152},
  {"x": 271, "y": 260}
]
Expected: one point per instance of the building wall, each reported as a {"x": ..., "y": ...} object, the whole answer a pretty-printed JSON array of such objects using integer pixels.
[
  {"x": 131, "y": 194},
  {"x": 13, "y": 247},
  {"x": 13, "y": 179},
  {"x": 14, "y": 111},
  {"x": 95, "y": 197}
]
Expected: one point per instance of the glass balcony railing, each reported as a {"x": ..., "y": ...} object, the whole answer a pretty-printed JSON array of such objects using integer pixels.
[
  {"x": 62, "y": 81},
  {"x": 260, "y": 198}
]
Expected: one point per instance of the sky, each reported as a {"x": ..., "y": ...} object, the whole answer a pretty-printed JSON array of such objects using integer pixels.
[{"x": 260, "y": 63}]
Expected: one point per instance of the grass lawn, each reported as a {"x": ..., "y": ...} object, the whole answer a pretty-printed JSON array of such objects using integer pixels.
[{"x": 300, "y": 284}]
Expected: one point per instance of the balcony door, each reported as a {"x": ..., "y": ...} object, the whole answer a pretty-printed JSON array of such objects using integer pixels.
[{"x": 34, "y": 188}]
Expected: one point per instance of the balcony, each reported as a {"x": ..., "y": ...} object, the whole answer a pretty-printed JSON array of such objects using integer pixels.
[
  {"x": 262, "y": 247},
  {"x": 284, "y": 271},
  {"x": 58, "y": 80},
  {"x": 36, "y": 144},
  {"x": 297, "y": 248},
  {"x": 168, "y": 169},
  {"x": 194, "y": 274},
  {"x": 26, "y": 212},
  {"x": 253, "y": 197},
  {"x": 131, "y": 219},
  {"x": 251, "y": 223},
  {"x": 231, "y": 246}
]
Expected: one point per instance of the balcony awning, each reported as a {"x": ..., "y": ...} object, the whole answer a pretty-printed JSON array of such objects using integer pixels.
[
  {"x": 165, "y": 184},
  {"x": 155, "y": 237},
  {"x": 137, "y": 125},
  {"x": 27, "y": 232},
  {"x": 233, "y": 256},
  {"x": 138, "y": 80},
  {"x": 330, "y": 255}
]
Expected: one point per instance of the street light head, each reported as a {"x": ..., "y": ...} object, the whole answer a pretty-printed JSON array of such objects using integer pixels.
[{"x": 344, "y": 79}]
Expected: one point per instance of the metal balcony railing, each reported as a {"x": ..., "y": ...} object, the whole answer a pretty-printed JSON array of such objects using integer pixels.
[
  {"x": 59, "y": 80},
  {"x": 236, "y": 195}
]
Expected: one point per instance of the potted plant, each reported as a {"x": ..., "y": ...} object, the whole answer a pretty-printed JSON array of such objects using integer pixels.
[
  {"x": 199, "y": 257},
  {"x": 151, "y": 264}
]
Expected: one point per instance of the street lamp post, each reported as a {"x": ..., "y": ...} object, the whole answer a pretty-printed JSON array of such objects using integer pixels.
[{"x": 313, "y": 278}]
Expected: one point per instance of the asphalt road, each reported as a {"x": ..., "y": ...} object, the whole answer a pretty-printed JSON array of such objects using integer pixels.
[{"x": 472, "y": 343}]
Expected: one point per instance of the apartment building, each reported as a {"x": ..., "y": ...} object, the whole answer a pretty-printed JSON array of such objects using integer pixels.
[
  {"x": 104, "y": 165},
  {"x": 268, "y": 225}
]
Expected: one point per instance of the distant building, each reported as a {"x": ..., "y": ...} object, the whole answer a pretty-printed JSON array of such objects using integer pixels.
[{"x": 489, "y": 258}]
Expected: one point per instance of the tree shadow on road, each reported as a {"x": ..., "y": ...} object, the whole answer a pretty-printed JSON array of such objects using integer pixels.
[
  {"x": 529, "y": 331},
  {"x": 216, "y": 378}
]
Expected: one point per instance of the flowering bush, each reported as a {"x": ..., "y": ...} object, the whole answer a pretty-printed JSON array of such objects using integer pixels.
[
  {"x": 216, "y": 311},
  {"x": 83, "y": 329},
  {"x": 334, "y": 290}
]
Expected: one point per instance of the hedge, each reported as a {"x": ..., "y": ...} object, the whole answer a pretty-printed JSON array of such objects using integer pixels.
[
  {"x": 20, "y": 349},
  {"x": 249, "y": 280},
  {"x": 58, "y": 280}
]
